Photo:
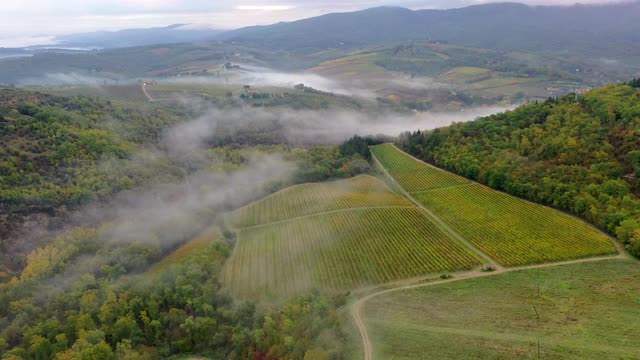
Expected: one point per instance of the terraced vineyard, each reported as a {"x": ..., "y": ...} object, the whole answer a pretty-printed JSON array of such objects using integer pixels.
[
  {"x": 511, "y": 230},
  {"x": 413, "y": 175},
  {"x": 366, "y": 241},
  {"x": 307, "y": 199}
]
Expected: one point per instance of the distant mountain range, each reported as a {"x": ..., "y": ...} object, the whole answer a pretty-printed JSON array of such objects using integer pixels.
[
  {"x": 596, "y": 30},
  {"x": 172, "y": 34},
  {"x": 604, "y": 37},
  {"x": 590, "y": 29}
]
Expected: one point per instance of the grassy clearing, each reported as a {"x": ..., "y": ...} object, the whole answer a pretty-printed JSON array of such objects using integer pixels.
[
  {"x": 511, "y": 230},
  {"x": 414, "y": 175},
  {"x": 584, "y": 311},
  {"x": 335, "y": 236},
  {"x": 352, "y": 67},
  {"x": 466, "y": 75}
]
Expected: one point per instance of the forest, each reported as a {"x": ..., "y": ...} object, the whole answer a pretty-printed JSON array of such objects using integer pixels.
[
  {"x": 577, "y": 153},
  {"x": 181, "y": 310}
]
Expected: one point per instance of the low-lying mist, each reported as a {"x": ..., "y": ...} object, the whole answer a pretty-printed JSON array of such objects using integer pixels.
[
  {"x": 324, "y": 127},
  {"x": 71, "y": 79},
  {"x": 246, "y": 75},
  {"x": 157, "y": 217}
]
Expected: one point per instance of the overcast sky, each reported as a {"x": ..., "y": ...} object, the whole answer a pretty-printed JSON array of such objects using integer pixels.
[{"x": 31, "y": 21}]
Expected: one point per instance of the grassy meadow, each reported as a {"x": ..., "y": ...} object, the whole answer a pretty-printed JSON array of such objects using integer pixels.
[{"x": 578, "y": 311}]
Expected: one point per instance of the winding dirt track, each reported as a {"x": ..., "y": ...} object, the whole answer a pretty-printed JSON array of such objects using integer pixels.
[
  {"x": 357, "y": 306},
  {"x": 419, "y": 282},
  {"x": 146, "y": 93}
]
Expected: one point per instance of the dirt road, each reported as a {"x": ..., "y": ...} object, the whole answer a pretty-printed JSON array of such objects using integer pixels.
[{"x": 357, "y": 306}]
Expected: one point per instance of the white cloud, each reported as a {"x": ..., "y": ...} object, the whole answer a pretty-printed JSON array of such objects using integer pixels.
[{"x": 265, "y": 7}]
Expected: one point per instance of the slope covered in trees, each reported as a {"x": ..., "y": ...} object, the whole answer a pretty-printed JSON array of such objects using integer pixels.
[
  {"x": 183, "y": 310},
  {"x": 59, "y": 154},
  {"x": 51, "y": 147},
  {"x": 576, "y": 153}
]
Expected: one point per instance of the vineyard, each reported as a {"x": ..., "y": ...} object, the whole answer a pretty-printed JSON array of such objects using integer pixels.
[
  {"x": 308, "y": 199},
  {"x": 199, "y": 243},
  {"x": 510, "y": 230},
  {"x": 335, "y": 236},
  {"x": 412, "y": 175},
  {"x": 514, "y": 231},
  {"x": 339, "y": 251}
]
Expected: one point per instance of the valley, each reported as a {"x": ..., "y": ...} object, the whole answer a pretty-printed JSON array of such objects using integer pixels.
[{"x": 268, "y": 181}]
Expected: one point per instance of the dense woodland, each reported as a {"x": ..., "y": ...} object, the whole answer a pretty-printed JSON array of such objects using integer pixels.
[
  {"x": 52, "y": 313},
  {"x": 580, "y": 154},
  {"x": 51, "y": 147}
]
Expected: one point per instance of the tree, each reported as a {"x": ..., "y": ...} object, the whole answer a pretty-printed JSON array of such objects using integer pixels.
[
  {"x": 634, "y": 156},
  {"x": 40, "y": 348},
  {"x": 126, "y": 328}
]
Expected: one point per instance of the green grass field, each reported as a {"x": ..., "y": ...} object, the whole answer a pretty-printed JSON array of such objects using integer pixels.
[
  {"x": 466, "y": 75},
  {"x": 583, "y": 311},
  {"x": 360, "y": 233},
  {"x": 354, "y": 67},
  {"x": 510, "y": 230}
]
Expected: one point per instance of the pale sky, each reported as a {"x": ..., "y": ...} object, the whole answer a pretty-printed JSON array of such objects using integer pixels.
[{"x": 23, "y": 22}]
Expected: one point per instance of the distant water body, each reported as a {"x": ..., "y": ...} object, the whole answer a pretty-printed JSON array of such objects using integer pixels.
[
  {"x": 12, "y": 56},
  {"x": 26, "y": 41}
]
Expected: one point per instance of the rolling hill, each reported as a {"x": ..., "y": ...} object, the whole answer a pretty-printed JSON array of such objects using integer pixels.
[
  {"x": 335, "y": 236},
  {"x": 604, "y": 29},
  {"x": 569, "y": 312},
  {"x": 176, "y": 33},
  {"x": 510, "y": 230}
]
